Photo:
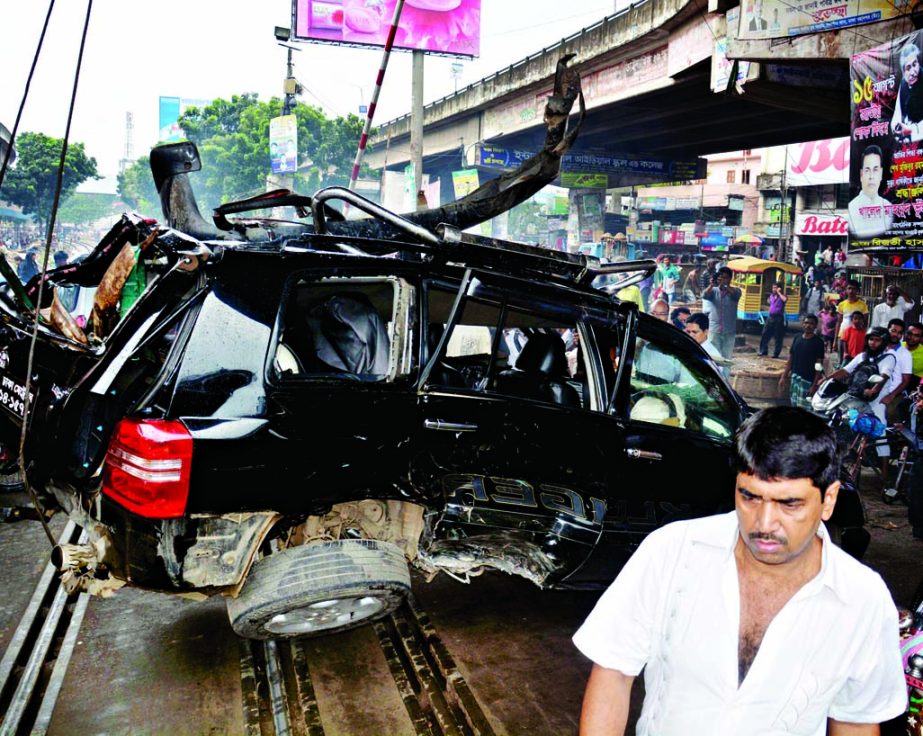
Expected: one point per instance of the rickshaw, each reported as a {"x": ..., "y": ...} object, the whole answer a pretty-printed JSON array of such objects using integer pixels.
[{"x": 755, "y": 277}]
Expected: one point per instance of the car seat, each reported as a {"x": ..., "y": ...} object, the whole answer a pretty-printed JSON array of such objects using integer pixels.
[
  {"x": 540, "y": 372},
  {"x": 345, "y": 335}
]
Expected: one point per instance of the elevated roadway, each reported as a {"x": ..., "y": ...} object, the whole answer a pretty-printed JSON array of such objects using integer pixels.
[{"x": 648, "y": 79}]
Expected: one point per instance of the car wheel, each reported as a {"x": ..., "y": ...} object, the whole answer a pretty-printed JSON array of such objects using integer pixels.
[{"x": 320, "y": 588}]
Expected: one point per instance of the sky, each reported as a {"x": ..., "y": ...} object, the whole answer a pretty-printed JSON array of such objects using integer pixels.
[{"x": 137, "y": 51}]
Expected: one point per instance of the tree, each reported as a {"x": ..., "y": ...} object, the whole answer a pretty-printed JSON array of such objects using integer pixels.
[
  {"x": 233, "y": 140},
  {"x": 83, "y": 207},
  {"x": 31, "y": 182},
  {"x": 136, "y": 188}
]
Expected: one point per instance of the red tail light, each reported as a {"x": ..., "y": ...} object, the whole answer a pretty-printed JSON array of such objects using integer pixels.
[{"x": 147, "y": 467}]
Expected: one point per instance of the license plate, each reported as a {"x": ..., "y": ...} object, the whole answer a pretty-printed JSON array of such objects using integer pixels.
[{"x": 13, "y": 396}]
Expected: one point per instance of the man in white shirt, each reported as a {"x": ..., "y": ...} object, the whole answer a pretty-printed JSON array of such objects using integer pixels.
[
  {"x": 697, "y": 328},
  {"x": 899, "y": 379},
  {"x": 895, "y": 306},
  {"x": 868, "y": 215},
  {"x": 751, "y": 622}
]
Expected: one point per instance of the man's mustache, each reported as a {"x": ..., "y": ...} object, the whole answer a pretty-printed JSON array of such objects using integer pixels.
[{"x": 757, "y": 537}]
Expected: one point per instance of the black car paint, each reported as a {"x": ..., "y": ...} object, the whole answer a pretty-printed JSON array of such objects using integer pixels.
[{"x": 296, "y": 447}]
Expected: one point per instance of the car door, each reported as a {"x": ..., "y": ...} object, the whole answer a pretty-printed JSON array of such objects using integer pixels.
[
  {"x": 518, "y": 459},
  {"x": 681, "y": 417},
  {"x": 678, "y": 416}
]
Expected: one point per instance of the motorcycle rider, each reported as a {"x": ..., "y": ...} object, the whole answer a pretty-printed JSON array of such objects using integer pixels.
[{"x": 875, "y": 359}]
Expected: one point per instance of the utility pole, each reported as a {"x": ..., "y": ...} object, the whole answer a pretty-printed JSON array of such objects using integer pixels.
[
  {"x": 290, "y": 89},
  {"x": 416, "y": 127},
  {"x": 784, "y": 225}
]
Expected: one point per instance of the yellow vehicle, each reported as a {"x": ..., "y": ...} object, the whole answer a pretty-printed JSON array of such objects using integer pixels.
[{"x": 755, "y": 277}]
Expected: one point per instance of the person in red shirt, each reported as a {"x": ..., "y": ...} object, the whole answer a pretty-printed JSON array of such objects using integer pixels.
[{"x": 854, "y": 335}]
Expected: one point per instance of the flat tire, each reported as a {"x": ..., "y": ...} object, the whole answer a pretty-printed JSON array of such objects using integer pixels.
[{"x": 320, "y": 588}]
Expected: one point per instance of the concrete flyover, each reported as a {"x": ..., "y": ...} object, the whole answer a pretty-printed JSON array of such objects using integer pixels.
[{"x": 647, "y": 75}]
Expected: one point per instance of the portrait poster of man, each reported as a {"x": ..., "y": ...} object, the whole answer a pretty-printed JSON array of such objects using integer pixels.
[
  {"x": 786, "y": 18},
  {"x": 886, "y": 146}
]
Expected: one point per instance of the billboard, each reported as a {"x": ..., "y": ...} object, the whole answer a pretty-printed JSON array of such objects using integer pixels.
[
  {"x": 283, "y": 144},
  {"x": 818, "y": 162},
  {"x": 784, "y": 18},
  {"x": 886, "y": 146},
  {"x": 450, "y": 27},
  {"x": 578, "y": 167},
  {"x": 171, "y": 108}
]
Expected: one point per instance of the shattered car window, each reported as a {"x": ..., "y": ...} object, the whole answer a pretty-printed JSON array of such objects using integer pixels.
[{"x": 338, "y": 328}]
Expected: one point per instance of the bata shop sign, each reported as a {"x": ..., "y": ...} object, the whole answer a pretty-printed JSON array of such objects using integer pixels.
[{"x": 818, "y": 224}]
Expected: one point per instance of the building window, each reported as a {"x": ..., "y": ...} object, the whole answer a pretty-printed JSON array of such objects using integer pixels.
[
  {"x": 745, "y": 176},
  {"x": 731, "y": 176}
]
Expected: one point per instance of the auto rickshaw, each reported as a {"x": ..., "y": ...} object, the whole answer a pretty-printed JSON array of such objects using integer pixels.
[{"x": 755, "y": 277}]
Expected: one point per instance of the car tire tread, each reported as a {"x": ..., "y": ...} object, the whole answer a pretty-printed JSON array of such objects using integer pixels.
[{"x": 300, "y": 576}]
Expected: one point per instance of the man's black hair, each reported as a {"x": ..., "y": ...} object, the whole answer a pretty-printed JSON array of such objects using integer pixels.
[
  {"x": 871, "y": 150},
  {"x": 700, "y": 319},
  {"x": 897, "y": 321},
  {"x": 916, "y": 326},
  {"x": 812, "y": 317},
  {"x": 787, "y": 443},
  {"x": 724, "y": 269},
  {"x": 853, "y": 282},
  {"x": 678, "y": 311}
]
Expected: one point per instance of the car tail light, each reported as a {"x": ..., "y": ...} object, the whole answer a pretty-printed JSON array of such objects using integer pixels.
[{"x": 147, "y": 467}]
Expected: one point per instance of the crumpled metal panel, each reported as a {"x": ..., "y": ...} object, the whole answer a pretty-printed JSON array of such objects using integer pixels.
[
  {"x": 466, "y": 558},
  {"x": 222, "y": 551}
]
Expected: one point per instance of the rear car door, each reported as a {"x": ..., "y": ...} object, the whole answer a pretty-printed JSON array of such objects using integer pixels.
[
  {"x": 295, "y": 386},
  {"x": 513, "y": 425}
]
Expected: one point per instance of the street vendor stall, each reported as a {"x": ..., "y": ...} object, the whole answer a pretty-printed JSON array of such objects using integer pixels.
[{"x": 755, "y": 277}]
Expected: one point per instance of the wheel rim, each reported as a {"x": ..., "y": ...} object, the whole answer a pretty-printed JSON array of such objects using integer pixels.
[{"x": 323, "y": 615}]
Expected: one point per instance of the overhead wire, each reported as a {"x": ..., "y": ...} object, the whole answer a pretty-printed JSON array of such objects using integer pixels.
[
  {"x": 41, "y": 283},
  {"x": 25, "y": 94}
]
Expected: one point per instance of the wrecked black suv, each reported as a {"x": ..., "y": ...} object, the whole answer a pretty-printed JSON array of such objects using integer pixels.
[{"x": 291, "y": 416}]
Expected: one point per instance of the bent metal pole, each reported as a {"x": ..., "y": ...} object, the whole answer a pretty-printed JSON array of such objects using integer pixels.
[{"x": 364, "y": 139}]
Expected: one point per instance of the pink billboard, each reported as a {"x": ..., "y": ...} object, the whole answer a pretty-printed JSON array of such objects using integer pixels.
[{"x": 438, "y": 26}]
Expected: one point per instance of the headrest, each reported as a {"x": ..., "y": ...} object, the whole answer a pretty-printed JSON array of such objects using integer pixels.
[
  {"x": 348, "y": 335},
  {"x": 543, "y": 353}
]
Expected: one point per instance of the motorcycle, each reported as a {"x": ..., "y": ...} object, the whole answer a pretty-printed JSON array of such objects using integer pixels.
[
  {"x": 847, "y": 411},
  {"x": 911, "y": 623}
]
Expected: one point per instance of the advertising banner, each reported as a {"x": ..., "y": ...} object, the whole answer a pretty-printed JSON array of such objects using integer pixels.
[
  {"x": 818, "y": 162},
  {"x": 283, "y": 144},
  {"x": 577, "y": 180},
  {"x": 447, "y": 27},
  {"x": 649, "y": 168},
  {"x": 464, "y": 182},
  {"x": 171, "y": 108},
  {"x": 783, "y": 18},
  {"x": 807, "y": 223},
  {"x": 886, "y": 156},
  {"x": 722, "y": 68}
]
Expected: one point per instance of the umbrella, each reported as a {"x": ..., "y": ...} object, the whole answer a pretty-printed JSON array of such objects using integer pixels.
[{"x": 748, "y": 239}]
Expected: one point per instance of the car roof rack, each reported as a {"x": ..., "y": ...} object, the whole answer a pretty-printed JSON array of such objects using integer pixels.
[{"x": 451, "y": 244}]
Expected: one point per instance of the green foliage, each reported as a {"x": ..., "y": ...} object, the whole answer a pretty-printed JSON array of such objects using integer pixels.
[
  {"x": 136, "y": 188},
  {"x": 83, "y": 207},
  {"x": 31, "y": 182},
  {"x": 233, "y": 141}
]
